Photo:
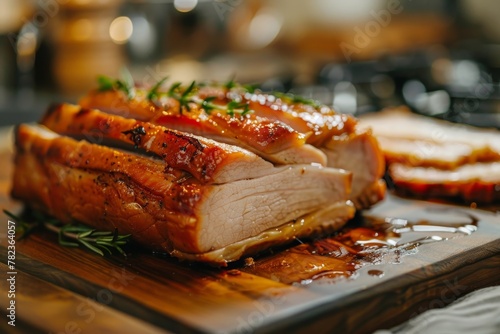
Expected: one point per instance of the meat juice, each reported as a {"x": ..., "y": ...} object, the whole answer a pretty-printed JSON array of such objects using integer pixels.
[{"x": 367, "y": 240}]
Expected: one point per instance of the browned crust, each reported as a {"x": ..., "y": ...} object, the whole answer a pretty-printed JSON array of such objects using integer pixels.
[
  {"x": 200, "y": 157},
  {"x": 107, "y": 189},
  {"x": 262, "y": 135},
  {"x": 321, "y": 123}
]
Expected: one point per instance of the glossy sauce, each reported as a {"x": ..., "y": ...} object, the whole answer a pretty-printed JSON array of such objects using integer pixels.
[{"x": 368, "y": 240}]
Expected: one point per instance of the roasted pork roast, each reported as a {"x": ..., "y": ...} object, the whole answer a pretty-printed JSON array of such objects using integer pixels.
[
  {"x": 279, "y": 129},
  {"x": 207, "y": 174}
]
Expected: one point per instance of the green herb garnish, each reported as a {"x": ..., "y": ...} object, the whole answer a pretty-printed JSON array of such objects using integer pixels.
[
  {"x": 173, "y": 89},
  {"x": 250, "y": 88},
  {"x": 184, "y": 100},
  {"x": 230, "y": 84},
  {"x": 105, "y": 83},
  {"x": 292, "y": 98},
  {"x": 153, "y": 92},
  {"x": 237, "y": 107},
  {"x": 126, "y": 84},
  {"x": 74, "y": 235},
  {"x": 184, "y": 97},
  {"x": 207, "y": 105}
]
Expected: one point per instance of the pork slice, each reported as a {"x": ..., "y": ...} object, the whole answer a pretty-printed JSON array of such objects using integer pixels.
[
  {"x": 431, "y": 138},
  {"x": 359, "y": 153},
  {"x": 207, "y": 160},
  {"x": 272, "y": 140},
  {"x": 427, "y": 153},
  {"x": 166, "y": 208},
  {"x": 280, "y": 131},
  {"x": 338, "y": 135},
  {"x": 479, "y": 182}
]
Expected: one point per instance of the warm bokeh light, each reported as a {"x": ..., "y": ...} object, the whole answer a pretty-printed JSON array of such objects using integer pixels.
[
  {"x": 121, "y": 29},
  {"x": 264, "y": 28},
  {"x": 185, "y": 6}
]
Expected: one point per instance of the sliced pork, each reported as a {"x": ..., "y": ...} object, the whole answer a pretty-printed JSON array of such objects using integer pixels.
[
  {"x": 424, "y": 141},
  {"x": 479, "y": 182},
  {"x": 431, "y": 158},
  {"x": 278, "y": 128},
  {"x": 215, "y": 217}
]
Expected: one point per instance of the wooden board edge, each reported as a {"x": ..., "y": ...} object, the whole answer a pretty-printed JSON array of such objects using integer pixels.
[
  {"x": 87, "y": 289},
  {"x": 393, "y": 299}
]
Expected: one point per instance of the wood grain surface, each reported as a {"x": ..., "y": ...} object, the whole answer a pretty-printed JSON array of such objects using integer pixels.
[{"x": 66, "y": 288}]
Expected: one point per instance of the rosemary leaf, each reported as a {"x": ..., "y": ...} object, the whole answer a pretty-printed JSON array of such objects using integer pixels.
[
  {"x": 292, "y": 98},
  {"x": 105, "y": 239},
  {"x": 101, "y": 233},
  {"x": 153, "y": 92},
  {"x": 120, "y": 250},
  {"x": 237, "y": 107},
  {"x": 184, "y": 100},
  {"x": 230, "y": 84},
  {"x": 207, "y": 105},
  {"x": 62, "y": 242},
  {"x": 246, "y": 109},
  {"x": 173, "y": 89},
  {"x": 188, "y": 90},
  {"x": 85, "y": 234},
  {"x": 105, "y": 83},
  {"x": 250, "y": 88},
  {"x": 74, "y": 229},
  {"x": 104, "y": 247},
  {"x": 91, "y": 247},
  {"x": 73, "y": 235}
]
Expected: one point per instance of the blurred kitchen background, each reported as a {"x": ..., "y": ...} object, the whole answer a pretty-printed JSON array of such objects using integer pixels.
[{"x": 439, "y": 57}]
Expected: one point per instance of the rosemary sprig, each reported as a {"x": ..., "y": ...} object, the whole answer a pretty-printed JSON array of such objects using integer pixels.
[
  {"x": 185, "y": 97},
  {"x": 173, "y": 89},
  {"x": 184, "y": 100},
  {"x": 230, "y": 84},
  {"x": 126, "y": 84},
  {"x": 237, "y": 107},
  {"x": 153, "y": 92},
  {"x": 207, "y": 105},
  {"x": 74, "y": 235},
  {"x": 292, "y": 98},
  {"x": 105, "y": 83},
  {"x": 250, "y": 88},
  {"x": 232, "y": 108}
]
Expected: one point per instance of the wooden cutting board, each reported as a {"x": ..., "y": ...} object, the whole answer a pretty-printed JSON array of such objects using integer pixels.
[{"x": 69, "y": 290}]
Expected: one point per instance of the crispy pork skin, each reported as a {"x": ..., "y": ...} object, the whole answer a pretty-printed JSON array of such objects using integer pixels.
[
  {"x": 166, "y": 208},
  {"x": 206, "y": 160},
  {"x": 310, "y": 129},
  {"x": 271, "y": 140}
]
